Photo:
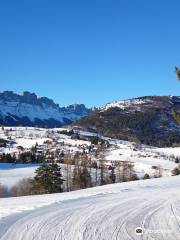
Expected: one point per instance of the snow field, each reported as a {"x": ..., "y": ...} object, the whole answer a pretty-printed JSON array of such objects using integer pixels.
[{"x": 101, "y": 213}]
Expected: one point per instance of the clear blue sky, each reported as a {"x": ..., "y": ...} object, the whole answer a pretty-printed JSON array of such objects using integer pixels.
[{"x": 90, "y": 51}]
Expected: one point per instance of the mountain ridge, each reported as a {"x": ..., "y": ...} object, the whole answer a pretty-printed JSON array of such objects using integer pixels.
[
  {"x": 27, "y": 109},
  {"x": 153, "y": 120}
]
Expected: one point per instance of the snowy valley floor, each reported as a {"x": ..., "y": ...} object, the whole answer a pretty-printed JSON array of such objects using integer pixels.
[{"x": 110, "y": 212}]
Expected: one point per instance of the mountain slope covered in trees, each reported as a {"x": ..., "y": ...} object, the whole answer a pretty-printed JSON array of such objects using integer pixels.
[{"x": 153, "y": 120}]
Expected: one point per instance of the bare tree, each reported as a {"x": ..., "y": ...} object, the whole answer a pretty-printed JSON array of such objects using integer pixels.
[
  {"x": 158, "y": 171},
  {"x": 125, "y": 171},
  {"x": 118, "y": 165},
  {"x": 3, "y": 191},
  {"x": 68, "y": 163},
  {"x": 112, "y": 172},
  {"x": 76, "y": 172},
  {"x": 76, "y": 179},
  {"x": 22, "y": 188}
]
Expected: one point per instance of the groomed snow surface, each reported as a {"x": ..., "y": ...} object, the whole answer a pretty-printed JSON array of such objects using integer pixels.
[{"x": 110, "y": 212}]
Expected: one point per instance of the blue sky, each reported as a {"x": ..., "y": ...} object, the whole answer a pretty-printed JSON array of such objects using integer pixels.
[{"x": 90, "y": 51}]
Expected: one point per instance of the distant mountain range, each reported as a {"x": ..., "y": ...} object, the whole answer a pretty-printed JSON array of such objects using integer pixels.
[
  {"x": 27, "y": 109},
  {"x": 153, "y": 120}
]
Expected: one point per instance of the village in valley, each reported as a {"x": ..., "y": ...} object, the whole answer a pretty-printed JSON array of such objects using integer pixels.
[{"x": 87, "y": 159}]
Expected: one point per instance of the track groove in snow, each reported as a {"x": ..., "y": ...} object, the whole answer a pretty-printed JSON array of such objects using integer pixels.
[{"x": 107, "y": 213}]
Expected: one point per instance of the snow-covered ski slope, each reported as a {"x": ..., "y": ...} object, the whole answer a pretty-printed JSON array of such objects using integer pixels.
[{"x": 110, "y": 212}]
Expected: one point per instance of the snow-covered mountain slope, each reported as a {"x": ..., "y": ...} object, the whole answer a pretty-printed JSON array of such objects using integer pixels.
[
  {"x": 143, "y": 103},
  {"x": 102, "y": 213},
  {"x": 135, "y": 103},
  {"x": 29, "y": 110}
]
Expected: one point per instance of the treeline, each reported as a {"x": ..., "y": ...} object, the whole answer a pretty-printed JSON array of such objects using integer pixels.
[
  {"x": 48, "y": 179},
  {"x": 24, "y": 157},
  {"x": 55, "y": 178},
  {"x": 3, "y": 142},
  {"x": 73, "y": 172}
]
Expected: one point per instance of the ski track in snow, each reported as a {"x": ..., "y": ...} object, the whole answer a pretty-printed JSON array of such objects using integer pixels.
[{"x": 113, "y": 213}]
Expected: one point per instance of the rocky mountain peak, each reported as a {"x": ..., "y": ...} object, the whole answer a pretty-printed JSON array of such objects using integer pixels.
[{"x": 28, "y": 109}]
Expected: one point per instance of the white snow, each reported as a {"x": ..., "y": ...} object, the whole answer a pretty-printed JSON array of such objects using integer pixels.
[
  {"x": 144, "y": 159},
  {"x": 29, "y": 136},
  {"x": 169, "y": 151},
  {"x": 34, "y": 111},
  {"x": 11, "y": 174},
  {"x": 124, "y": 104},
  {"x": 101, "y": 213},
  {"x": 29, "y": 110}
]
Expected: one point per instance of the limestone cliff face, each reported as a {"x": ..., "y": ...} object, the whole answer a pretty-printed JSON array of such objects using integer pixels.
[{"x": 27, "y": 109}]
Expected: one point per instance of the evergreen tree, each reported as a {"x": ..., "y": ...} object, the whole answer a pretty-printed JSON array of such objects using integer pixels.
[
  {"x": 55, "y": 176},
  {"x": 146, "y": 176},
  {"x": 8, "y": 158},
  {"x": 177, "y": 70},
  {"x": 48, "y": 179}
]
